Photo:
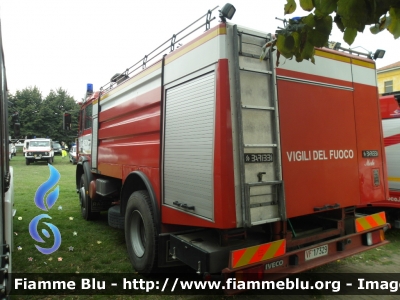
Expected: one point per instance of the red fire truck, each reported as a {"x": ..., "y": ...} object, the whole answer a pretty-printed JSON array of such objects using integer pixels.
[
  {"x": 235, "y": 165},
  {"x": 390, "y": 114}
]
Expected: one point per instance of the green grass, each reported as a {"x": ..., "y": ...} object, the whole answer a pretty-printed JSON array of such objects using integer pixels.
[
  {"x": 98, "y": 248},
  {"x": 377, "y": 256}
]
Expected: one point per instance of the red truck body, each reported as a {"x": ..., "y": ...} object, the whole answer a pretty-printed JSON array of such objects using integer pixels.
[
  {"x": 390, "y": 114},
  {"x": 227, "y": 163}
]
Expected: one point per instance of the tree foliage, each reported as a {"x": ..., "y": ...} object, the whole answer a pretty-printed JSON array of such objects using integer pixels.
[
  {"x": 302, "y": 34},
  {"x": 43, "y": 117}
]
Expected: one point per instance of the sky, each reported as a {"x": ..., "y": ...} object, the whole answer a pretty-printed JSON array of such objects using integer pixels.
[{"x": 66, "y": 44}]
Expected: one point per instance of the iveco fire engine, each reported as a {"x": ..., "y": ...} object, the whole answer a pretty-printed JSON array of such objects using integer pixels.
[{"x": 230, "y": 164}]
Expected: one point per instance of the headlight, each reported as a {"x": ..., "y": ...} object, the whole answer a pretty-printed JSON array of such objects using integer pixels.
[
  {"x": 30, "y": 153},
  {"x": 46, "y": 153}
]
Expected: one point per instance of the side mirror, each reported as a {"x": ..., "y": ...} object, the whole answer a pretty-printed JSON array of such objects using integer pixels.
[{"x": 67, "y": 121}]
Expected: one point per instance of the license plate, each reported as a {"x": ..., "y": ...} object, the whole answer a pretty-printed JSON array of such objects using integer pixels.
[{"x": 316, "y": 252}]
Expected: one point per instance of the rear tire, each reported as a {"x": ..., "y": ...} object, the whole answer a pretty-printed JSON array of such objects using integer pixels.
[
  {"x": 85, "y": 200},
  {"x": 141, "y": 232}
]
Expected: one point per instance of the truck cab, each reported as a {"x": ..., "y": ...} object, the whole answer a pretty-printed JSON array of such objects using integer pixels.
[{"x": 38, "y": 150}]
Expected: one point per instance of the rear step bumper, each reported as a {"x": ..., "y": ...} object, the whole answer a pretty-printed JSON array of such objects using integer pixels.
[{"x": 301, "y": 260}]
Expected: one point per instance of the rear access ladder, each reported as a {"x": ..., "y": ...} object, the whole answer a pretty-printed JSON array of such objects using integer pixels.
[{"x": 258, "y": 130}]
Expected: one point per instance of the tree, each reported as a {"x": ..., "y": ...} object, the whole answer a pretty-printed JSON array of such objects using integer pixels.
[
  {"x": 43, "y": 117},
  {"x": 53, "y": 107},
  {"x": 26, "y": 104},
  {"x": 302, "y": 34}
]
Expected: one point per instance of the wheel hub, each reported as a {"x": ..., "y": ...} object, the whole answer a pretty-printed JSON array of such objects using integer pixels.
[
  {"x": 82, "y": 196},
  {"x": 138, "y": 236}
]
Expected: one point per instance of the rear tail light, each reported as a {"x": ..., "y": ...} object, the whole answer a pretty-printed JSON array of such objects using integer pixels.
[
  {"x": 250, "y": 274},
  {"x": 374, "y": 237}
]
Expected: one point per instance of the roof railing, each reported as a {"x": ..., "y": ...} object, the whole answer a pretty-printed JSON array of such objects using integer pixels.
[
  {"x": 171, "y": 43},
  {"x": 379, "y": 53}
]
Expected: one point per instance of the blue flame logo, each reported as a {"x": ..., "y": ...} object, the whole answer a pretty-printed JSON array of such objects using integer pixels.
[
  {"x": 40, "y": 203},
  {"x": 35, "y": 235},
  {"x": 45, "y": 187}
]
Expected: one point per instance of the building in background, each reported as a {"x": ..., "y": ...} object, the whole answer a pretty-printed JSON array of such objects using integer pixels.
[{"x": 389, "y": 79}]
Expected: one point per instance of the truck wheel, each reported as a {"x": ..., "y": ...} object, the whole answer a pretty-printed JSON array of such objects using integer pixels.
[
  {"x": 50, "y": 160},
  {"x": 141, "y": 232},
  {"x": 27, "y": 161},
  {"x": 85, "y": 201},
  {"x": 114, "y": 217}
]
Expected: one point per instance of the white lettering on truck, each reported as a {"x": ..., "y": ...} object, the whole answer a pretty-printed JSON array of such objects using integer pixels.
[
  {"x": 341, "y": 154},
  {"x": 274, "y": 264},
  {"x": 319, "y": 155}
]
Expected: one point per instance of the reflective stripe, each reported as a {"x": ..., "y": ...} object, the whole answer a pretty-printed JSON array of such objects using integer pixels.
[
  {"x": 332, "y": 56},
  {"x": 259, "y": 253},
  {"x": 372, "y": 221},
  {"x": 394, "y": 179}
]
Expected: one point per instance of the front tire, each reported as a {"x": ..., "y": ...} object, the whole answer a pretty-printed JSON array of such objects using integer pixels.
[
  {"x": 85, "y": 200},
  {"x": 141, "y": 232},
  {"x": 27, "y": 161}
]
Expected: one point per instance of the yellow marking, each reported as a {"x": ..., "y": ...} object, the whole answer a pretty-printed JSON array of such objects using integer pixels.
[
  {"x": 363, "y": 63},
  {"x": 246, "y": 257},
  {"x": 379, "y": 218},
  {"x": 216, "y": 32},
  {"x": 250, "y": 252},
  {"x": 364, "y": 223},
  {"x": 394, "y": 179},
  {"x": 132, "y": 80},
  {"x": 332, "y": 56},
  {"x": 345, "y": 59},
  {"x": 270, "y": 253}
]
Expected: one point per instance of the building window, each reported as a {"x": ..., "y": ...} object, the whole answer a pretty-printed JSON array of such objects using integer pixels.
[{"x": 389, "y": 86}]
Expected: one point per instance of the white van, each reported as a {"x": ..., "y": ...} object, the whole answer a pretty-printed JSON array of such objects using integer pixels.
[
  {"x": 38, "y": 150},
  {"x": 26, "y": 145}
]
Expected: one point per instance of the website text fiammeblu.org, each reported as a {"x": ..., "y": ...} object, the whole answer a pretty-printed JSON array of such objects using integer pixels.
[{"x": 126, "y": 285}]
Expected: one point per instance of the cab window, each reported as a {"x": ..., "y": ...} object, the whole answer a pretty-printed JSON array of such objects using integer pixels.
[{"x": 88, "y": 117}]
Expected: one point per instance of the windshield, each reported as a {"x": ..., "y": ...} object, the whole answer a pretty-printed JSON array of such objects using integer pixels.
[
  {"x": 39, "y": 144},
  {"x": 56, "y": 145}
]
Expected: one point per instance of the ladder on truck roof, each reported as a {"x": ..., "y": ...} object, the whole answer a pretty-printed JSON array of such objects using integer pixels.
[{"x": 258, "y": 130}]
